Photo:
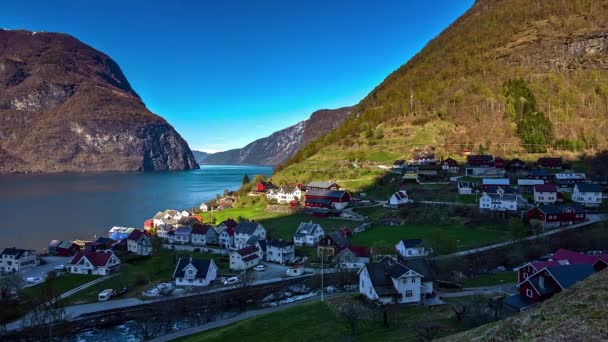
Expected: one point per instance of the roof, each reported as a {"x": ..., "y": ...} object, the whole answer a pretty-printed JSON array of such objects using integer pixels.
[
  {"x": 280, "y": 243},
  {"x": 495, "y": 181},
  {"x": 289, "y": 189},
  {"x": 380, "y": 274},
  {"x": 399, "y": 162},
  {"x": 412, "y": 243},
  {"x": 15, "y": 252},
  {"x": 248, "y": 250},
  {"x": 230, "y": 223},
  {"x": 500, "y": 198},
  {"x": 401, "y": 194},
  {"x": 575, "y": 257},
  {"x": 338, "y": 239},
  {"x": 419, "y": 265},
  {"x": 568, "y": 275},
  {"x": 183, "y": 231},
  {"x": 229, "y": 231},
  {"x": 307, "y": 228},
  {"x": 545, "y": 188},
  {"x": 570, "y": 175},
  {"x": 539, "y": 172},
  {"x": 122, "y": 230},
  {"x": 322, "y": 185},
  {"x": 586, "y": 187},
  {"x": 539, "y": 265},
  {"x": 318, "y": 201},
  {"x": 250, "y": 257},
  {"x": 55, "y": 243},
  {"x": 246, "y": 227},
  {"x": 201, "y": 265},
  {"x": 103, "y": 240},
  {"x": 65, "y": 244},
  {"x": 326, "y": 193},
  {"x": 200, "y": 229},
  {"x": 360, "y": 251},
  {"x": 98, "y": 259},
  {"x": 558, "y": 209},
  {"x": 135, "y": 235}
]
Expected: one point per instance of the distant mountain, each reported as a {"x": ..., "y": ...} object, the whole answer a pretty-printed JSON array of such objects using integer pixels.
[
  {"x": 65, "y": 106},
  {"x": 200, "y": 156},
  {"x": 280, "y": 145}
]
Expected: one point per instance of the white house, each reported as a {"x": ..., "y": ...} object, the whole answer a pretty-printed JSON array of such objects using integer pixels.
[
  {"x": 589, "y": 195},
  {"x": 181, "y": 235},
  {"x": 498, "y": 202},
  {"x": 398, "y": 198},
  {"x": 227, "y": 238},
  {"x": 15, "y": 259},
  {"x": 244, "y": 230},
  {"x": 389, "y": 281},
  {"x": 204, "y": 207},
  {"x": 411, "y": 248},
  {"x": 166, "y": 218},
  {"x": 353, "y": 257},
  {"x": 286, "y": 194},
  {"x": 203, "y": 234},
  {"x": 100, "y": 263},
  {"x": 279, "y": 251},
  {"x": 465, "y": 188},
  {"x": 545, "y": 193},
  {"x": 139, "y": 243},
  {"x": 194, "y": 272},
  {"x": 308, "y": 234},
  {"x": 244, "y": 258}
]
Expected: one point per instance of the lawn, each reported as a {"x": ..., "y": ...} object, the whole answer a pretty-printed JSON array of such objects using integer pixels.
[
  {"x": 63, "y": 283},
  {"x": 388, "y": 236},
  {"x": 491, "y": 280},
  {"x": 140, "y": 273},
  {"x": 319, "y": 321}
]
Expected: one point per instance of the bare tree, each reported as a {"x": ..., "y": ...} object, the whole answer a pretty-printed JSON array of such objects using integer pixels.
[
  {"x": 351, "y": 312},
  {"x": 247, "y": 278},
  {"x": 427, "y": 330},
  {"x": 460, "y": 311}
]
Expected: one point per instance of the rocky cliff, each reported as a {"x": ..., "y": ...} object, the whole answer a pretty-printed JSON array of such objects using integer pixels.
[
  {"x": 65, "y": 106},
  {"x": 280, "y": 145}
]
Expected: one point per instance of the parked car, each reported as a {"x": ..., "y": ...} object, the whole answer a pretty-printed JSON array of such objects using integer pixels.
[
  {"x": 260, "y": 268},
  {"x": 60, "y": 268},
  {"x": 33, "y": 280},
  {"x": 232, "y": 281},
  {"x": 105, "y": 295}
]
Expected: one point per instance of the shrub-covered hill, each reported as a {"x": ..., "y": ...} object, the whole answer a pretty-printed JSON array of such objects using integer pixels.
[{"x": 456, "y": 93}]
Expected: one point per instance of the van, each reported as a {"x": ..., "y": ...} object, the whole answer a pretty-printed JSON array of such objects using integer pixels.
[{"x": 105, "y": 295}]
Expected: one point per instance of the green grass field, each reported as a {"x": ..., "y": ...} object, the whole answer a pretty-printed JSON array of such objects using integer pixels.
[
  {"x": 491, "y": 279},
  {"x": 388, "y": 236}
]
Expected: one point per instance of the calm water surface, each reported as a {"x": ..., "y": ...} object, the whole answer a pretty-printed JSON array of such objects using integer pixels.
[{"x": 35, "y": 209}]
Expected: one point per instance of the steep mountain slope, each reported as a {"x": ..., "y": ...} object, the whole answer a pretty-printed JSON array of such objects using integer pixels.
[
  {"x": 577, "y": 314},
  {"x": 279, "y": 146},
  {"x": 452, "y": 94},
  {"x": 65, "y": 106},
  {"x": 200, "y": 156}
]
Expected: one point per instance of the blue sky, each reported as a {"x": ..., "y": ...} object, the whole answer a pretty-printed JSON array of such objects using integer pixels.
[{"x": 227, "y": 72}]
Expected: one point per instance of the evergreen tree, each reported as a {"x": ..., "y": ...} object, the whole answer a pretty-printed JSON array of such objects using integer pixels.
[{"x": 245, "y": 179}]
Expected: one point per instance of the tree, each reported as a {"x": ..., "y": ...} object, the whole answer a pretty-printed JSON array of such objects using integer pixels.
[
  {"x": 427, "y": 330},
  {"x": 351, "y": 312},
  {"x": 245, "y": 179}
]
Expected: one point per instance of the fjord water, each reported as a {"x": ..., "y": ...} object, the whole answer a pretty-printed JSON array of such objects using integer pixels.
[{"x": 37, "y": 208}]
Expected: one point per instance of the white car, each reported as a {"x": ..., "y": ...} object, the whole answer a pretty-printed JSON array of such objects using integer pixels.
[
  {"x": 260, "y": 268},
  {"x": 232, "y": 281},
  {"x": 60, "y": 268},
  {"x": 33, "y": 280}
]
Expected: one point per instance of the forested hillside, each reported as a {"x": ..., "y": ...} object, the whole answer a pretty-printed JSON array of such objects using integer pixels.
[{"x": 509, "y": 77}]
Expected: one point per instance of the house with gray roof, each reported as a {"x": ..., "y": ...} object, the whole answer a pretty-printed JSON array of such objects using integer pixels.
[
  {"x": 587, "y": 194},
  {"x": 16, "y": 259},
  {"x": 194, "y": 272},
  {"x": 279, "y": 251},
  {"x": 323, "y": 186},
  {"x": 498, "y": 202},
  {"x": 391, "y": 282},
  {"x": 181, "y": 235},
  {"x": 411, "y": 248},
  {"x": 308, "y": 234},
  {"x": 244, "y": 230}
]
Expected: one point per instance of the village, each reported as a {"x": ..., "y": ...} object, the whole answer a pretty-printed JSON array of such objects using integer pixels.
[{"x": 391, "y": 245}]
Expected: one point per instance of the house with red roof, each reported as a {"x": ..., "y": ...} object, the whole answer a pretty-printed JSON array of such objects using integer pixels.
[
  {"x": 338, "y": 199},
  {"x": 545, "y": 193},
  {"x": 148, "y": 224},
  {"x": 226, "y": 238},
  {"x": 530, "y": 268},
  {"x": 598, "y": 262},
  {"x": 139, "y": 243},
  {"x": 99, "y": 263},
  {"x": 557, "y": 215},
  {"x": 264, "y": 186},
  {"x": 244, "y": 258}
]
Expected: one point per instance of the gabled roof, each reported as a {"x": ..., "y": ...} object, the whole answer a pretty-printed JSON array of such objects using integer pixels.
[
  {"x": 574, "y": 257},
  {"x": 411, "y": 243},
  {"x": 322, "y": 185},
  {"x": 55, "y": 243},
  {"x": 339, "y": 240},
  {"x": 528, "y": 182},
  {"x": 230, "y": 223},
  {"x": 495, "y": 181},
  {"x": 279, "y": 243},
  {"x": 380, "y": 274},
  {"x": 202, "y": 267},
  {"x": 15, "y": 252},
  {"x": 183, "y": 231},
  {"x": 419, "y": 265},
  {"x": 587, "y": 187},
  {"x": 246, "y": 227},
  {"x": 545, "y": 188},
  {"x": 326, "y": 193},
  {"x": 539, "y": 172},
  {"x": 200, "y": 229},
  {"x": 289, "y": 189},
  {"x": 97, "y": 259},
  {"x": 558, "y": 209},
  {"x": 66, "y": 244},
  {"x": 307, "y": 228},
  {"x": 359, "y": 251},
  {"x": 229, "y": 231},
  {"x": 568, "y": 275},
  {"x": 401, "y": 194},
  {"x": 135, "y": 235},
  {"x": 250, "y": 257},
  {"x": 248, "y": 250},
  {"x": 500, "y": 198}
]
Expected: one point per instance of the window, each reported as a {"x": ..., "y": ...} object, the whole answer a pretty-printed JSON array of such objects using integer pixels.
[
  {"x": 409, "y": 294},
  {"x": 529, "y": 293}
]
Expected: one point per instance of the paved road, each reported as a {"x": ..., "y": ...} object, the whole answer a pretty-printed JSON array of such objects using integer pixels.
[
  {"x": 42, "y": 270},
  {"x": 593, "y": 218}
]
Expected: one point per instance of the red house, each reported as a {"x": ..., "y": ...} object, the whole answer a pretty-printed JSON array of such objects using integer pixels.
[
  {"x": 264, "y": 186},
  {"x": 531, "y": 268},
  {"x": 516, "y": 165},
  {"x": 480, "y": 160},
  {"x": 327, "y": 199},
  {"x": 557, "y": 215},
  {"x": 499, "y": 163},
  {"x": 63, "y": 248},
  {"x": 551, "y": 163}
]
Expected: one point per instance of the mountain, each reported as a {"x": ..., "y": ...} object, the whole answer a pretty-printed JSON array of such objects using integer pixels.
[
  {"x": 576, "y": 314},
  {"x": 200, "y": 156},
  {"x": 65, "y": 106},
  {"x": 509, "y": 77},
  {"x": 279, "y": 146}
]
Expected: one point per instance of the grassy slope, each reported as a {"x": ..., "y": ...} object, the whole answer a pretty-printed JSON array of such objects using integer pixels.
[
  {"x": 317, "y": 321},
  {"x": 456, "y": 84},
  {"x": 577, "y": 314}
]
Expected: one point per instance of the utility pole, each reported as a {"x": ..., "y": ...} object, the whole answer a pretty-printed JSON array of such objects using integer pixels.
[{"x": 322, "y": 286}]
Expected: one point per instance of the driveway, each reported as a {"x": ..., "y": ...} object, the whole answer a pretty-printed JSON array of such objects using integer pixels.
[
  {"x": 272, "y": 272},
  {"x": 42, "y": 270}
]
